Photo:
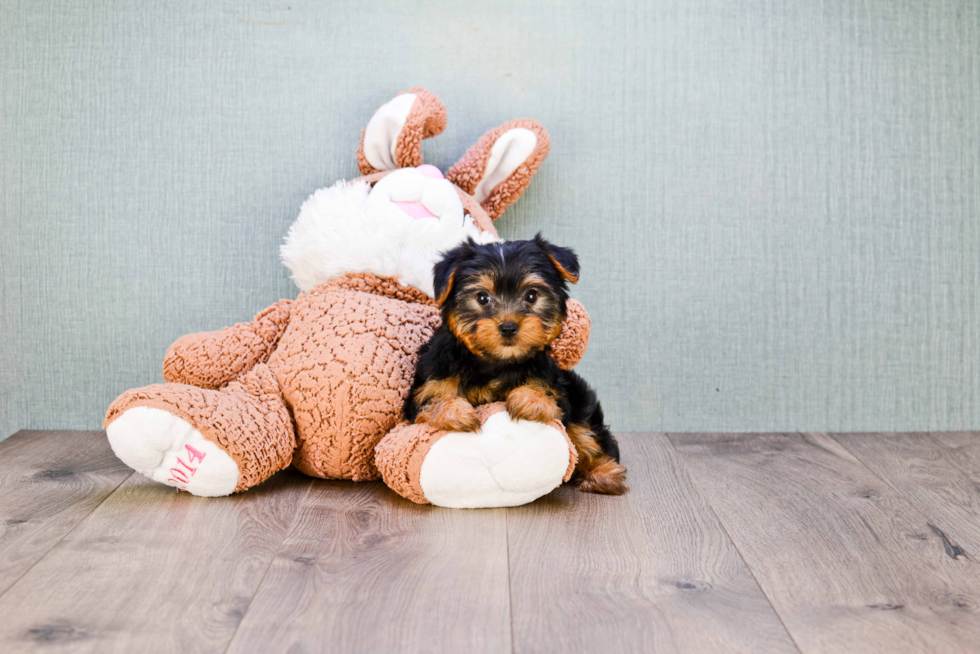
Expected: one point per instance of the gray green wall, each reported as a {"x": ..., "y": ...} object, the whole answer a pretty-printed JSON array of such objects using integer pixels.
[{"x": 777, "y": 204}]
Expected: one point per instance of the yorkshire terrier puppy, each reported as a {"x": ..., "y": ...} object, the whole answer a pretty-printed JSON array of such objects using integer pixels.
[{"x": 502, "y": 306}]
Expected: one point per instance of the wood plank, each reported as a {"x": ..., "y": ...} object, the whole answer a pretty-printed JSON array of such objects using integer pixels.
[
  {"x": 366, "y": 571},
  {"x": 965, "y": 446},
  {"x": 849, "y": 564},
  {"x": 49, "y": 482},
  {"x": 650, "y": 571},
  {"x": 152, "y": 569},
  {"x": 933, "y": 475}
]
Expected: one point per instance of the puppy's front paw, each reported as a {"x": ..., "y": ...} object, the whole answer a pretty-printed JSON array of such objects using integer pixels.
[
  {"x": 533, "y": 403},
  {"x": 603, "y": 475},
  {"x": 450, "y": 414}
]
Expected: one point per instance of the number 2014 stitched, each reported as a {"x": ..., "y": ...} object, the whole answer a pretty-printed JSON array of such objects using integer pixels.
[{"x": 179, "y": 476}]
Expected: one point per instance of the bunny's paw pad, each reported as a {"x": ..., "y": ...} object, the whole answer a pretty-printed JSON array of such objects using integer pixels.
[
  {"x": 507, "y": 463},
  {"x": 169, "y": 450}
]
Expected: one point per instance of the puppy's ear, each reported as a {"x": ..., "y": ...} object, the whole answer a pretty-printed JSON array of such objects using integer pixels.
[
  {"x": 564, "y": 260},
  {"x": 444, "y": 272},
  {"x": 444, "y": 276}
]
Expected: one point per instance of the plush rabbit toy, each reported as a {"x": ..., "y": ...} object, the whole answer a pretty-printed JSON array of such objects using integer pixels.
[{"x": 319, "y": 382}]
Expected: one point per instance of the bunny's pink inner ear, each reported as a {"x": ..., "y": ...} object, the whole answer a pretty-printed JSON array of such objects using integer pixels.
[
  {"x": 393, "y": 136},
  {"x": 500, "y": 166}
]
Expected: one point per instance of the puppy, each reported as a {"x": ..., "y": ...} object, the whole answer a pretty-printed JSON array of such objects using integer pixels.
[{"x": 502, "y": 306}]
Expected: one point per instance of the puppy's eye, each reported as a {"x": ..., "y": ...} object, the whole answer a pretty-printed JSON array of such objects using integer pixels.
[
  {"x": 531, "y": 296},
  {"x": 483, "y": 298}
]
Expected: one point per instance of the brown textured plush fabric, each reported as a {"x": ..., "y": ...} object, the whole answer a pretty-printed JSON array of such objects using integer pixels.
[
  {"x": 345, "y": 365},
  {"x": 400, "y": 454},
  {"x": 212, "y": 359},
  {"x": 480, "y": 216},
  {"x": 569, "y": 348},
  {"x": 468, "y": 171},
  {"x": 247, "y": 418},
  {"x": 426, "y": 118}
]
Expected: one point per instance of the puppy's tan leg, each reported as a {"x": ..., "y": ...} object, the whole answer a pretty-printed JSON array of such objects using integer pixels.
[
  {"x": 596, "y": 471},
  {"x": 443, "y": 408},
  {"x": 533, "y": 401}
]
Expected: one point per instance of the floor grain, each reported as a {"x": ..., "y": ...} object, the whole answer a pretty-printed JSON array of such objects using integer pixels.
[
  {"x": 733, "y": 543},
  {"x": 152, "y": 569},
  {"x": 49, "y": 482},
  {"x": 848, "y": 563},
  {"x": 366, "y": 571},
  {"x": 651, "y": 571},
  {"x": 939, "y": 474}
]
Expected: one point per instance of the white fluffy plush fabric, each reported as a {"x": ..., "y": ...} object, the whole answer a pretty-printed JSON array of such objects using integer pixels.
[
  {"x": 169, "y": 450},
  {"x": 506, "y": 463},
  {"x": 350, "y": 227}
]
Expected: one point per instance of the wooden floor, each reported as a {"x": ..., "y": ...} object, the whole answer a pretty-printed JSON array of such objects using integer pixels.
[{"x": 727, "y": 543}]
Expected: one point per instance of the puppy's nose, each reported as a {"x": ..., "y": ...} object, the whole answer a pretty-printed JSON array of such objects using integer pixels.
[{"x": 508, "y": 328}]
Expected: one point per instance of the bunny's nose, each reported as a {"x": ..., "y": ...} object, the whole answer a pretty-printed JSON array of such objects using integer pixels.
[
  {"x": 431, "y": 171},
  {"x": 508, "y": 328}
]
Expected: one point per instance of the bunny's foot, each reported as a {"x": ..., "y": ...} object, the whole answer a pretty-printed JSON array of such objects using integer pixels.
[
  {"x": 168, "y": 449},
  {"x": 207, "y": 442},
  {"x": 507, "y": 463}
]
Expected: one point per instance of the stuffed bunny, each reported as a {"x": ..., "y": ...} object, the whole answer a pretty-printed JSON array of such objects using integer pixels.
[{"x": 319, "y": 382}]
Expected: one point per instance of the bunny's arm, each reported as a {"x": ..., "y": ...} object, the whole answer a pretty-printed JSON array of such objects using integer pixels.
[
  {"x": 212, "y": 359},
  {"x": 570, "y": 345}
]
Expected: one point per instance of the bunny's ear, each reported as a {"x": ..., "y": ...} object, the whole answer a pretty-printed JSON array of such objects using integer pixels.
[
  {"x": 393, "y": 136},
  {"x": 499, "y": 167}
]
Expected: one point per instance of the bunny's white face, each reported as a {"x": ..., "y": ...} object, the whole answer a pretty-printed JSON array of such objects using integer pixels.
[
  {"x": 418, "y": 193},
  {"x": 398, "y": 229}
]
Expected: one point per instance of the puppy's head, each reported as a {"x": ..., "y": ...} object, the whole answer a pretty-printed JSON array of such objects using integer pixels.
[{"x": 505, "y": 301}]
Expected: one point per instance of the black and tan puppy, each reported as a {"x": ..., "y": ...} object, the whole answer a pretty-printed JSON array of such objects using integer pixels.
[{"x": 502, "y": 306}]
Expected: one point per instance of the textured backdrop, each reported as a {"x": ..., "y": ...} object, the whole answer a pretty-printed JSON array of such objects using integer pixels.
[{"x": 777, "y": 204}]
